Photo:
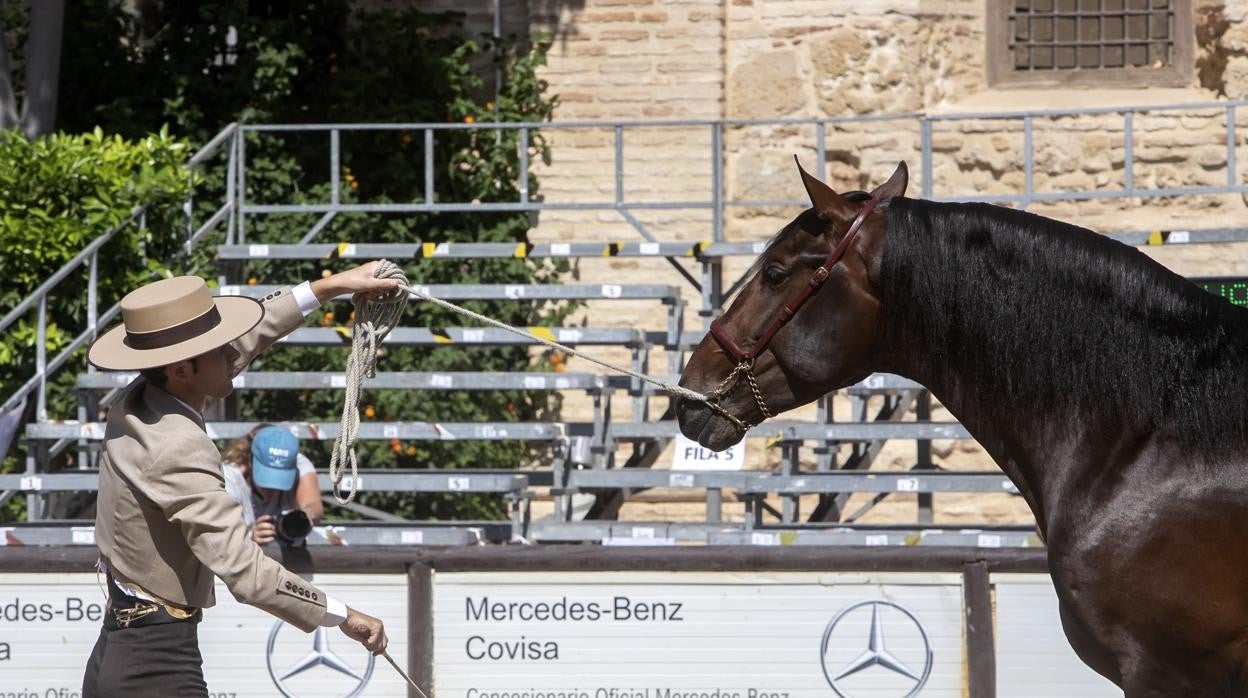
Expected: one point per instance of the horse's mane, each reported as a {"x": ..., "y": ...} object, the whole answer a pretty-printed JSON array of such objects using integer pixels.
[{"x": 1047, "y": 318}]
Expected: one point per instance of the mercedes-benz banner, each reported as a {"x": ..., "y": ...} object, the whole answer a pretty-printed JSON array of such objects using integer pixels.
[
  {"x": 49, "y": 623},
  {"x": 697, "y": 635},
  {"x": 589, "y": 635}
]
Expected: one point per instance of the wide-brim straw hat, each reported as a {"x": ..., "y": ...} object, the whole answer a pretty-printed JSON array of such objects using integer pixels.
[{"x": 172, "y": 320}]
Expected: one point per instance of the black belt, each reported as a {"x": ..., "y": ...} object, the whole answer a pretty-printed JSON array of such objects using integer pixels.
[{"x": 126, "y": 611}]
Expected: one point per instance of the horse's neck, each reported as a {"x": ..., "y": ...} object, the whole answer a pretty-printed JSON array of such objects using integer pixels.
[
  {"x": 1035, "y": 456},
  {"x": 1037, "y": 439},
  {"x": 1044, "y": 446}
]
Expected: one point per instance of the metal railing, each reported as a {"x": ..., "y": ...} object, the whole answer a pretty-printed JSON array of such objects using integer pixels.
[
  {"x": 1129, "y": 188},
  {"x": 717, "y": 202}
]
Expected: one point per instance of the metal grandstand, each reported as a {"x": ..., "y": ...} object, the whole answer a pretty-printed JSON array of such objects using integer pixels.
[{"x": 584, "y": 456}]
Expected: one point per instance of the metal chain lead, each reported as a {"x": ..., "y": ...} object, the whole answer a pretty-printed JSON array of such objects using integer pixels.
[
  {"x": 758, "y": 394},
  {"x": 713, "y": 400}
]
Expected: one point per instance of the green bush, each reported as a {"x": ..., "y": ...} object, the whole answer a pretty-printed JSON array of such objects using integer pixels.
[{"x": 59, "y": 193}]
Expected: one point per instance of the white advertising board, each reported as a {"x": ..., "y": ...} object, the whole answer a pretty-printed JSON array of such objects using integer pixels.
[
  {"x": 690, "y": 455},
  {"x": 49, "y": 624},
  {"x": 1034, "y": 659},
  {"x": 697, "y": 635}
]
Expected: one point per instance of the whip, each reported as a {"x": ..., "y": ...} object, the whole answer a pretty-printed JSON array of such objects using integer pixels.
[{"x": 402, "y": 673}]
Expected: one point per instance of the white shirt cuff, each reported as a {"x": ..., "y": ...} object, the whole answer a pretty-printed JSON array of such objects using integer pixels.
[
  {"x": 306, "y": 298},
  {"x": 335, "y": 612}
]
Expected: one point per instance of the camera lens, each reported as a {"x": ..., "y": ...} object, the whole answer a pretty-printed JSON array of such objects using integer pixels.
[{"x": 294, "y": 525}]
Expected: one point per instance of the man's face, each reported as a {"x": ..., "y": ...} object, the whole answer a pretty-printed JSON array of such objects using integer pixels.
[{"x": 210, "y": 375}]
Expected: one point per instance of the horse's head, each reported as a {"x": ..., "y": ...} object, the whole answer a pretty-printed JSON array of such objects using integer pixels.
[{"x": 806, "y": 323}]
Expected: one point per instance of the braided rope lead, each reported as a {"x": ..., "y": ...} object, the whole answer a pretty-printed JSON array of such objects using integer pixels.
[
  {"x": 374, "y": 318},
  {"x": 669, "y": 387}
]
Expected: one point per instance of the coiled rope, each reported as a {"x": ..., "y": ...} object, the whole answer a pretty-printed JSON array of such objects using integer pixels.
[{"x": 374, "y": 318}]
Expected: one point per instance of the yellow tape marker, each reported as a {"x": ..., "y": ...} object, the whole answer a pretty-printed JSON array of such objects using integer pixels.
[{"x": 543, "y": 332}]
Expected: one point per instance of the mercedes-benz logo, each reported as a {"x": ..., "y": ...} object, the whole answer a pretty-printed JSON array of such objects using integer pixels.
[
  {"x": 910, "y": 663},
  {"x": 320, "y": 659}
]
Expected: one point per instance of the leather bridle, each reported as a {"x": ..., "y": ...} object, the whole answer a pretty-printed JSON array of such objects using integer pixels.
[{"x": 745, "y": 358}]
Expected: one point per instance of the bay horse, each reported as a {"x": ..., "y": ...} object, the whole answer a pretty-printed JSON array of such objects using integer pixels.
[{"x": 1112, "y": 392}]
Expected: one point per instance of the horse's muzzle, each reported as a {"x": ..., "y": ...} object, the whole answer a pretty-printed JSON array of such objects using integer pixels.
[{"x": 702, "y": 424}]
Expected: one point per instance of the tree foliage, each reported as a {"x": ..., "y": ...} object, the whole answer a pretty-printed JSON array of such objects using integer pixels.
[{"x": 198, "y": 66}]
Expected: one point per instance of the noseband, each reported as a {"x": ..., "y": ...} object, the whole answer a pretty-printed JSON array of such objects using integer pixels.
[{"x": 745, "y": 358}]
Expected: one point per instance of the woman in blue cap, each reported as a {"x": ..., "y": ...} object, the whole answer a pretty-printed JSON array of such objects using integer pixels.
[{"x": 268, "y": 475}]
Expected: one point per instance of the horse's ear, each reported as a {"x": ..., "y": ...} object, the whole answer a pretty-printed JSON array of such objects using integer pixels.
[
  {"x": 895, "y": 186},
  {"x": 829, "y": 205}
]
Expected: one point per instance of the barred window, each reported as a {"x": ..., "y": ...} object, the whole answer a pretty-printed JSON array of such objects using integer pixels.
[{"x": 1126, "y": 42}]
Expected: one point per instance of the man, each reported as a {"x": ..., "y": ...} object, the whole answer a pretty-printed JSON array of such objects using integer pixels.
[{"x": 165, "y": 525}]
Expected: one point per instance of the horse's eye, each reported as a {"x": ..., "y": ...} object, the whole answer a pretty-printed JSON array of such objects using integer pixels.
[{"x": 774, "y": 276}]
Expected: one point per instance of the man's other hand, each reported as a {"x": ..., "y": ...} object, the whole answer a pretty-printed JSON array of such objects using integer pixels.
[{"x": 366, "y": 630}]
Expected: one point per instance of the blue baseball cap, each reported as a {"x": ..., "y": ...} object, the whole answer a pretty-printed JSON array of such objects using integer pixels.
[{"x": 273, "y": 452}]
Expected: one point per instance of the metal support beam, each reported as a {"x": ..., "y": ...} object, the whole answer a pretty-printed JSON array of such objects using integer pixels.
[
  {"x": 981, "y": 657},
  {"x": 923, "y": 456},
  {"x": 420, "y": 627}
]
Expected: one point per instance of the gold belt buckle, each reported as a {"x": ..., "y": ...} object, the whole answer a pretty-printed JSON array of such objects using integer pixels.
[{"x": 126, "y": 616}]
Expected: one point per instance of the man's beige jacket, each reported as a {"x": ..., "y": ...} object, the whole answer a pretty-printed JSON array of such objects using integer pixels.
[{"x": 164, "y": 521}]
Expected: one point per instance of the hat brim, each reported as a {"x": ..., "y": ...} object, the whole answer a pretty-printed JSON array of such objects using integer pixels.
[
  {"x": 272, "y": 478},
  {"x": 238, "y": 316}
]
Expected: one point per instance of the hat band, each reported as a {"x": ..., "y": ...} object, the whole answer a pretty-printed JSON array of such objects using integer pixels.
[{"x": 173, "y": 335}]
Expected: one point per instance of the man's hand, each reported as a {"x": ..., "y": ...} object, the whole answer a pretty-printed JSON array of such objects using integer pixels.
[
  {"x": 366, "y": 630},
  {"x": 357, "y": 280},
  {"x": 263, "y": 531}
]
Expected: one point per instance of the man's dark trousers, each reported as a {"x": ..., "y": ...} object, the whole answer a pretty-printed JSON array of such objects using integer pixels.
[{"x": 159, "y": 661}]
